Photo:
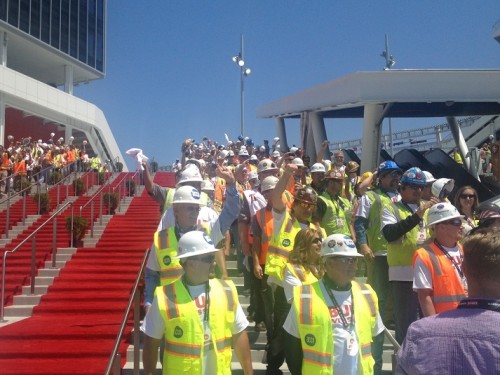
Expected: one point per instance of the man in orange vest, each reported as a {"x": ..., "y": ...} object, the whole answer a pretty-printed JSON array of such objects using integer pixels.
[
  {"x": 438, "y": 277},
  {"x": 5, "y": 169}
]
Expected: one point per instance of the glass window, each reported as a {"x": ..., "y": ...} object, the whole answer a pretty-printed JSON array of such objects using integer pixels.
[
  {"x": 100, "y": 36},
  {"x": 24, "y": 16},
  {"x": 3, "y": 10},
  {"x": 82, "y": 32},
  {"x": 73, "y": 29},
  {"x": 35, "y": 18},
  {"x": 91, "y": 34},
  {"x": 46, "y": 21},
  {"x": 65, "y": 26},
  {"x": 14, "y": 12},
  {"x": 55, "y": 23}
]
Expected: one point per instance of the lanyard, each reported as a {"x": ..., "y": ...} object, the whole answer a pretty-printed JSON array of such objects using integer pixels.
[
  {"x": 455, "y": 264},
  {"x": 207, "y": 298},
  {"x": 339, "y": 309},
  {"x": 486, "y": 304}
]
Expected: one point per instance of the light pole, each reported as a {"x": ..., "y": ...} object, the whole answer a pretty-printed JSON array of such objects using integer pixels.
[
  {"x": 389, "y": 63},
  {"x": 238, "y": 59}
]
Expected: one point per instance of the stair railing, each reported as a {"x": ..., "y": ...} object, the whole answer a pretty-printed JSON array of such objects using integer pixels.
[
  {"x": 32, "y": 237},
  {"x": 396, "y": 348},
  {"x": 37, "y": 176},
  {"x": 135, "y": 301}
]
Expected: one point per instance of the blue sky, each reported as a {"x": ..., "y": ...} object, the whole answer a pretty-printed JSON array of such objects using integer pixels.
[{"x": 169, "y": 74}]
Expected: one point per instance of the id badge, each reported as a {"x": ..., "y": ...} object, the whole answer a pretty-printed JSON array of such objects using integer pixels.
[
  {"x": 352, "y": 345},
  {"x": 421, "y": 236},
  {"x": 340, "y": 222}
]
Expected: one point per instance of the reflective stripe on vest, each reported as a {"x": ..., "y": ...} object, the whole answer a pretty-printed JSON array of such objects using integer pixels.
[
  {"x": 166, "y": 249},
  {"x": 184, "y": 331},
  {"x": 264, "y": 218},
  {"x": 447, "y": 288},
  {"x": 315, "y": 327}
]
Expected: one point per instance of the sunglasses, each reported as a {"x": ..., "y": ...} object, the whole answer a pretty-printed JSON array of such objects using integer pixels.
[
  {"x": 346, "y": 260},
  {"x": 306, "y": 205},
  {"x": 317, "y": 240},
  {"x": 467, "y": 196},
  {"x": 454, "y": 222},
  {"x": 206, "y": 259}
]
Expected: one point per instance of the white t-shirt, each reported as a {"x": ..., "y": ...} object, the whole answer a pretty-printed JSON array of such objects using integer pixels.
[
  {"x": 154, "y": 325},
  {"x": 422, "y": 276},
  {"x": 364, "y": 209},
  {"x": 290, "y": 281},
  {"x": 344, "y": 361}
]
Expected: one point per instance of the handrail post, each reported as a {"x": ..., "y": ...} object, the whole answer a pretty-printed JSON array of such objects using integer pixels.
[
  {"x": 54, "y": 243},
  {"x": 25, "y": 197},
  {"x": 72, "y": 218},
  {"x": 92, "y": 219},
  {"x": 7, "y": 222},
  {"x": 2, "y": 301},
  {"x": 116, "y": 364},
  {"x": 58, "y": 194},
  {"x": 101, "y": 202},
  {"x": 33, "y": 264},
  {"x": 137, "y": 337}
]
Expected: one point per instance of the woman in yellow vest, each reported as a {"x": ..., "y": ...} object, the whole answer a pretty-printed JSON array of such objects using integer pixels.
[
  {"x": 332, "y": 322},
  {"x": 201, "y": 318},
  {"x": 304, "y": 262}
]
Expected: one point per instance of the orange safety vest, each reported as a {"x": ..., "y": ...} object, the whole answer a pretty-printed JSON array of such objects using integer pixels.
[
  {"x": 219, "y": 194},
  {"x": 6, "y": 163},
  {"x": 20, "y": 168},
  {"x": 447, "y": 288},
  {"x": 265, "y": 219}
]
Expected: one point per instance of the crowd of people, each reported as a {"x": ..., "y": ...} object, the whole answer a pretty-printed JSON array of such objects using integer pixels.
[
  {"x": 34, "y": 160},
  {"x": 305, "y": 235}
]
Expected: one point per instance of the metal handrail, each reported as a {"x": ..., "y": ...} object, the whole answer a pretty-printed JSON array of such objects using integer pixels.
[
  {"x": 4, "y": 258},
  {"x": 396, "y": 347},
  {"x": 115, "y": 358}
]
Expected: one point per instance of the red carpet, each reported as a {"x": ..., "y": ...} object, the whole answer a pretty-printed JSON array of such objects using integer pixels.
[{"x": 73, "y": 329}]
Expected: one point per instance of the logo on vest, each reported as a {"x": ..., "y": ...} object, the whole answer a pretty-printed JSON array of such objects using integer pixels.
[
  {"x": 310, "y": 339},
  {"x": 286, "y": 242},
  {"x": 178, "y": 332},
  {"x": 167, "y": 260}
]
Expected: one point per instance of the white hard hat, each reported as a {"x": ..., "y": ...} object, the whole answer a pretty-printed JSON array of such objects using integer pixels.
[
  {"x": 254, "y": 157},
  {"x": 293, "y": 149},
  {"x": 268, "y": 183},
  {"x": 318, "y": 167},
  {"x": 276, "y": 154},
  {"x": 441, "y": 212},
  {"x": 428, "y": 177},
  {"x": 266, "y": 165},
  {"x": 442, "y": 187},
  {"x": 186, "y": 194},
  {"x": 194, "y": 243},
  {"x": 253, "y": 175},
  {"x": 189, "y": 175},
  {"x": 231, "y": 153},
  {"x": 223, "y": 154},
  {"x": 243, "y": 151},
  {"x": 298, "y": 162},
  {"x": 339, "y": 245},
  {"x": 276, "y": 139},
  {"x": 206, "y": 185}
]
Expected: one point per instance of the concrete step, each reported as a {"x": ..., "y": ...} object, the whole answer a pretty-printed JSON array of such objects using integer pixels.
[
  {"x": 67, "y": 250},
  {"x": 39, "y": 289},
  {"x": 49, "y": 272},
  {"x": 44, "y": 280},
  {"x": 27, "y": 300},
  {"x": 59, "y": 264},
  {"x": 18, "y": 311}
]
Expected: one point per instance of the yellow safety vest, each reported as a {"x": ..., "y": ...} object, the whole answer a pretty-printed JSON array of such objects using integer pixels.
[
  {"x": 166, "y": 249},
  {"x": 184, "y": 331},
  {"x": 336, "y": 210},
  {"x": 281, "y": 245},
  {"x": 315, "y": 327},
  {"x": 306, "y": 277},
  {"x": 168, "y": 200},
  {"x": 400, "y": 252},
  {"x": 374, "y": 236}
]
